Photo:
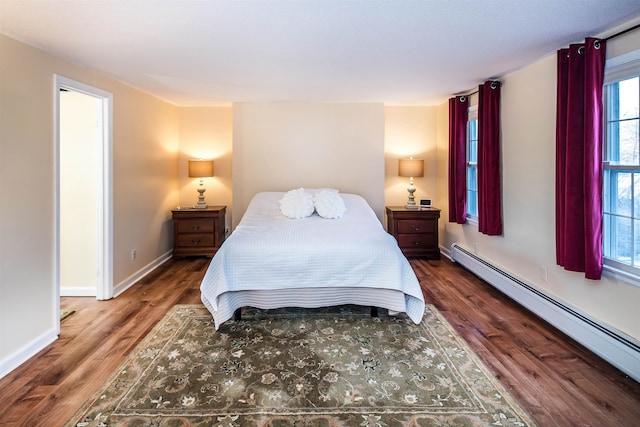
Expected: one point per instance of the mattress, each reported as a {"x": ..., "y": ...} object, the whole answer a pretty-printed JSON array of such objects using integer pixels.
[{"x": 272, "y": 261}]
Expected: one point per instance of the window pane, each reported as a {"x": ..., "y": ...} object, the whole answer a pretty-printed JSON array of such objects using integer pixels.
[
  {"x": 472, "y": 190},
  {"x": 629, "y": 142},
  {"x": 636, "y": 243},
  {"x": 472, "y": 142},
  {"x": 636, "y": 195},
  {"x": 607, "y": 191},
  {"x": 618, "y": 197},
  {"x": 472, "y": 152},
  {"x": 618, "y": 239},
  {"x": 472, "y": 168},
  {"x": 472, "y": 178},
  {"x": 628, "y": 98},
  {"x": 472, "y": 203},
  {"x": 613, "y": 136},
  {"x": 473, "y": 128},
  {"x": 608, "y": 236},
  {"x": 613, "y": 101}
]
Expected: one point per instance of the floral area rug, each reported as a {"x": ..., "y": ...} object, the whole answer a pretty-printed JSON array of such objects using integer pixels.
[{"x": 332, "y": 367}]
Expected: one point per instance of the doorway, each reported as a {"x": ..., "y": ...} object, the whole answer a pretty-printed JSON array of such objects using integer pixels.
[{"x": 83, "y": 120}]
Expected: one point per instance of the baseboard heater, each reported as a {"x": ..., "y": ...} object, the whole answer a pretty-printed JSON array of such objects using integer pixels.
[{"x": 611, "y": 345}]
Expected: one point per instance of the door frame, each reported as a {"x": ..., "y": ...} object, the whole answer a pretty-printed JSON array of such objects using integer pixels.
[{"x": 104, "y": 288}]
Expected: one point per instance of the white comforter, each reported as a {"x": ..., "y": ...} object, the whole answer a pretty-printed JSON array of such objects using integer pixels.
[{"x": 270, "y": 252}]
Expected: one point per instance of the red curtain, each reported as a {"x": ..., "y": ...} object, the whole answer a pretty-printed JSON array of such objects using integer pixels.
[
  {"x": 579, "y": 157},
  {"x": 458, "y": 115},
  {"x": 489, "y": 182}
]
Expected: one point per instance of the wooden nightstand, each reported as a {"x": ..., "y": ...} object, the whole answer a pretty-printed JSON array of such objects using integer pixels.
[
  {"x": 415, "y": 230},
  {"x": 198, "y": 231}
]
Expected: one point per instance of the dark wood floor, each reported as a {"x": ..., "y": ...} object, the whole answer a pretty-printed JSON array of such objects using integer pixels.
[{"x": 557, "y": 380}]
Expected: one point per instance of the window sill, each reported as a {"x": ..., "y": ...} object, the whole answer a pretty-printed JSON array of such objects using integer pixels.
[{"x": 622, "y": 275}]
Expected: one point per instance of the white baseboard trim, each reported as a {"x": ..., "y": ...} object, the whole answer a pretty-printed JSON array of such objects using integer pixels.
[
  {"x": 17, "y": 358},
  {"x": 446, "y": 252},
  {"x": 613, "y": 346},
  {"x": 70, "y": 291},
  {"x": 135, "y": 277}
]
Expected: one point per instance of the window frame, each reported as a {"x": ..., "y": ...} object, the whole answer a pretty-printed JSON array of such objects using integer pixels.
[
  {"x": 619, "y": 69},
  {"x": 472, "y": 218}
]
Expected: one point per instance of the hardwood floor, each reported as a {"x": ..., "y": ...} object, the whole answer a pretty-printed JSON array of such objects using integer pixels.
[{"x": 557, "y": 380}]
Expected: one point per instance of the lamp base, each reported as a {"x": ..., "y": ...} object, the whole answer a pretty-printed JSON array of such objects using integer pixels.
[
  {"x": 411, "y": 203},
  {"x": 201, "y": 203}
]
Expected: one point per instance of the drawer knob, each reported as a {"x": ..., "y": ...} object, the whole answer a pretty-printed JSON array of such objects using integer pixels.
[
  {"x": 195, "y": 227},
  {"x": 195, "y": 242},
  {"x": 415, "y": 227},
  {"x": 416, "y": 242}
]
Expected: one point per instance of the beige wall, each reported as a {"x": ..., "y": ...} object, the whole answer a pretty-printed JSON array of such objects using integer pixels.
[
  {"x": 410, "y": 131},
  {"x": 282, "y": 146},
  {"x": 145, "y": 186},
  {"x": 145, "y": 146},
  {"x": 206, "y": 132},
  {"x": 528, "y": 181},
  {"x": 26, "y": 222}
]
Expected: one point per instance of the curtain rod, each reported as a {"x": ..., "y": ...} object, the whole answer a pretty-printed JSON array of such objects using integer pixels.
[
  {"x": 613, "y": 36},
  {"x": 494, "y": 84}
]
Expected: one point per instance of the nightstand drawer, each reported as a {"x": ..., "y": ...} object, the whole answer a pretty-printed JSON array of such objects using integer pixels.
[
  {"x": 417, "y": 226},
  {"x": 417, "y": 241},
  {"x": 415, "y": 230},
  {"x": 195, "y": 226},
  {"x": 195, "y": 240},
  {"x": 198, "y": 232}
]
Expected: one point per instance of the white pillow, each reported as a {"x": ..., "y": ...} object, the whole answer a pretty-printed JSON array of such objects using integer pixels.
[
  {"x": 297, "y": 204},
  {"x": 329, "y": 204}
]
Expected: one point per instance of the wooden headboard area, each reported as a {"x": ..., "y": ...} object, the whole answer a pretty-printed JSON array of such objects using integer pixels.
[{"x": 283, "y": 146}]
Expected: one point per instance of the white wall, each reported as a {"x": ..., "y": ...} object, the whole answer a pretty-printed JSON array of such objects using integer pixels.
[
  {"x": 79, "y": 142},
  {"x": 282, "y": 146},
  {"x": 527, "y": 247}
]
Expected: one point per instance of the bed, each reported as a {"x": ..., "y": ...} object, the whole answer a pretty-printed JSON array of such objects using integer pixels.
[{"x": 272, "y": 261}]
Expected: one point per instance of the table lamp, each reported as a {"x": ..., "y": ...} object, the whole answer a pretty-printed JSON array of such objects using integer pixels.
[
  {"x": 199, "y": 168},
  {"x": 411, "y": 168}
]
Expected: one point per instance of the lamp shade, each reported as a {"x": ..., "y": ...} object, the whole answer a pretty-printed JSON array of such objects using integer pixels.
[
  {"x": 199, "y": 168},
  {"x": 410, "y": 167}
]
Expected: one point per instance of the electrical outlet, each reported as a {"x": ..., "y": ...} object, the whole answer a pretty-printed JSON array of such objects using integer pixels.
[
  {"x": 134, "y": 254},
  {"x": 226, "y": 231},
  {"x": 476, "y": 247}
]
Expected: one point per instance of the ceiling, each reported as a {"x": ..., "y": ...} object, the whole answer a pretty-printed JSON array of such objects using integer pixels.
[{"x": 207, "y": 53}]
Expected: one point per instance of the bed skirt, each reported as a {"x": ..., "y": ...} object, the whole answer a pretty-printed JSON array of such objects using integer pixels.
[{"x": 390, "y": 299}]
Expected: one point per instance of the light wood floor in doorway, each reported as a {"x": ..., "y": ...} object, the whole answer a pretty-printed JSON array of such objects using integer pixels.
[{"x": 557, "y": 380}]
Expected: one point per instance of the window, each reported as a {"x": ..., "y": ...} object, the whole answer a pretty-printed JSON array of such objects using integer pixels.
[
  {"x": 621, "y": 180},
  {"x": 472, "y": 164}
]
